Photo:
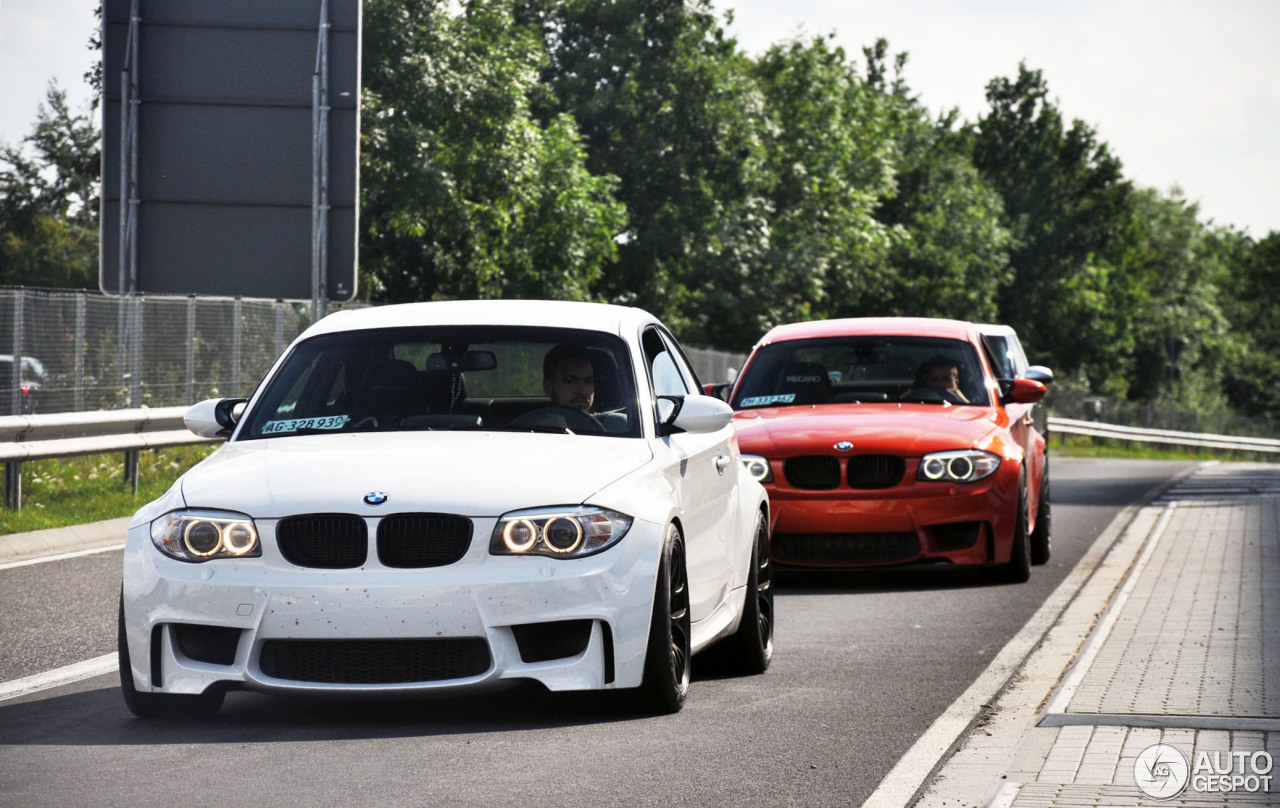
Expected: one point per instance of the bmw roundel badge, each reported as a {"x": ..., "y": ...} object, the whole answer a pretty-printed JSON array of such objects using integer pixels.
[
  {"x": 843, "y": 446},
  {"x": 375, "y": 498}
]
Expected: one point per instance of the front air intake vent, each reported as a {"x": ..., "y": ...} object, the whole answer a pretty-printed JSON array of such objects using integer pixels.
[
  {"x": 375, "y": 662},
  {"x": 876, "y": 471},
  {"x": 836, "y": 549},
  {"x": 331, "y": 541},
  {"x": 813, "y": 472},
  {"x": 410, "y": 540}
]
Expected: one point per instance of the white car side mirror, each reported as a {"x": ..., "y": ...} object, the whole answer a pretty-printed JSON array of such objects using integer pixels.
[
  {"x": 694, "y": 413},
  {"x": 214, "y": 417}
]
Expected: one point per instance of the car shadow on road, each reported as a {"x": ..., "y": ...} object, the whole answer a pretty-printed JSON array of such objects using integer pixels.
[{"x": 99, "y": 718}]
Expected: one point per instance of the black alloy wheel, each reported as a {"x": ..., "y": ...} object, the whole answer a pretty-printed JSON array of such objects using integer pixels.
[
  {"x": 668, "y": 659},
  {"x": 1018, "y": 569},
  {"x": 1041, "y": 537},
  {"x": 751, "y": 646}
]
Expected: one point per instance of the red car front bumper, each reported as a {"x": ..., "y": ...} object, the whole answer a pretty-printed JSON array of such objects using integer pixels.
[{"x": 912, "y": 522}]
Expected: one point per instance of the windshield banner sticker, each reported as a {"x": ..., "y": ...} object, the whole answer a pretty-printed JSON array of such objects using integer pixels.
[
  {"x": 764, "y": 401},
  {"x": 299, "y": 424}
]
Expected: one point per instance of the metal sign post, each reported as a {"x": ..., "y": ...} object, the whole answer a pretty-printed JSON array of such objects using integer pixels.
[{"x": 320, "y": 172}]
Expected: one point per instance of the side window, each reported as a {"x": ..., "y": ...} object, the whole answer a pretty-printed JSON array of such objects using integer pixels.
[
  {"x": 1001, "y": 356},
  {"x": 664, "y": 372},
  {"x": 1018, "y": 357}
]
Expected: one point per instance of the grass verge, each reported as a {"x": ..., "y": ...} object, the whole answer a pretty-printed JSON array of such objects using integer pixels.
[
  {"x": 1085, "y": 446},
  {"x": 79, "y": 490}
]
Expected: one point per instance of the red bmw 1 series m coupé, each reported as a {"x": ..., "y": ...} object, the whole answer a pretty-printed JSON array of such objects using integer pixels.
[{"x": 894, "y": 441}]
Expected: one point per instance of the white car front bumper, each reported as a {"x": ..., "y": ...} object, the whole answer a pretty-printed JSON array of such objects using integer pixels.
[{"x": 476, "y": 624}]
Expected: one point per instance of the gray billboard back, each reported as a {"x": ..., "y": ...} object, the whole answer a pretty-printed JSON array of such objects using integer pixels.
[{"x": 223, "y": 149}]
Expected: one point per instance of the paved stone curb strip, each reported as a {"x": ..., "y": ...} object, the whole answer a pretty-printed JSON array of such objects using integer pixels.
[
  {"x": 1187, "y": 653},
  {"x": 21, "y": 546}
]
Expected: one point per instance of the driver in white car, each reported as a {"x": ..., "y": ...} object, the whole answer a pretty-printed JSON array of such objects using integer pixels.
[{"x": 568, "y": 378}]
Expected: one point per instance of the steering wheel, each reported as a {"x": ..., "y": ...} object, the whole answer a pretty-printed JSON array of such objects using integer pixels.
[
  {"x": 561, "y": 416},
  {"x": 930, "y": 393}
]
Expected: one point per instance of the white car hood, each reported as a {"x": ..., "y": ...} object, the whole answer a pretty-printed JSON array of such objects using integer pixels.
[{"x": 466, "y": 473}]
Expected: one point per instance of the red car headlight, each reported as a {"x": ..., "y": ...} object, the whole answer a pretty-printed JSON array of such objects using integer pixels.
[{"x": 962, "y": 466}]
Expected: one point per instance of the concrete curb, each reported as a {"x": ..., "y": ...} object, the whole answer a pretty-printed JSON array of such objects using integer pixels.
[{"x": 22, "y": 546}]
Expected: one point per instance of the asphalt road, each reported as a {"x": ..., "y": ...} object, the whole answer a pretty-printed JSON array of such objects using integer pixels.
[{"x": 864, "y": 664}]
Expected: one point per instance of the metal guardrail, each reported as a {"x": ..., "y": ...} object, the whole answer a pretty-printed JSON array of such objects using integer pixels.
[
  {"x": 38, "y": 437},
  {"x": 67, "y": 434},
  {"x": 1163, "y": 436}
]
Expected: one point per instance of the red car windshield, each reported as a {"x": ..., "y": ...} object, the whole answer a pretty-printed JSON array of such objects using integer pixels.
[{"x": 865, "y": 370}]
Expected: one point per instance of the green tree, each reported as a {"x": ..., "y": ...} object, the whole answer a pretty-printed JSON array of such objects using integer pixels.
[
  {"x": 829, "y": 147},
  {"x": 1167, "y": 291},
  {"x": 49, "y": 200},
  {"x": 950, "y": 251},
  {"x": 666, "y": 103},
  {"x": 465, "y": 194},
  {"x": 1069, "y": 209},
  {"x": 1251, "y": 381}
]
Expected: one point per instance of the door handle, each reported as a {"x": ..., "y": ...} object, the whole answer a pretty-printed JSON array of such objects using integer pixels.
[{"x": 722, "y": 463}]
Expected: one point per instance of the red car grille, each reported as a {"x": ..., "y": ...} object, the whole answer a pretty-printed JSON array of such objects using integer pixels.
[
  {"x": 844, "y": 548},
  {"x": 375, "y": 662},
  {"x": 876, "y": 471},
  {"x": 324, "y": 540},
  {"x": 813, "y": 472},
  {"x": 822, "y": 472},
  {"x": 408, "y": 540}
]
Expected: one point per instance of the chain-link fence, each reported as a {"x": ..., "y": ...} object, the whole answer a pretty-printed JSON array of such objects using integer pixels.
[{"x": 82, "y": 350}]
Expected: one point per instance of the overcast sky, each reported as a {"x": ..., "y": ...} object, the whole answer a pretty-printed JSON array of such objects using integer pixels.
[{"x": 1186, "y": 92}]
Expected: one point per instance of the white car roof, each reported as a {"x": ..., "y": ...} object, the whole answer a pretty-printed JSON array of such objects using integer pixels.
[{"x": 622, "y": 320}]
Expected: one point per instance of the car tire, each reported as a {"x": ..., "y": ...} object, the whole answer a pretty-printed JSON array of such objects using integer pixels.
[
  {"x": 1041, "y": 537},
  {"x": 668, "y": 658},
  {"x": 160, "y": 705},
  {"x": 750, "y": 648},
  {"x": 1018, "y": 568}
]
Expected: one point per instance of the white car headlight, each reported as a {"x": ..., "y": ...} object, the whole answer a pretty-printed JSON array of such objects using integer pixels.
[
  {"x": 961, "y": 466},
  {"x": 571, "y": 532},
  {"x": 758, "y": 467},
  {"x": 203, "y": 535}
]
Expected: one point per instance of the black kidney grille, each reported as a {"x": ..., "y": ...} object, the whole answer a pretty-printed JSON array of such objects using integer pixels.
[
  {"x": 876, "y": 471},
  {"x": 375, "y": 662},
  {"x": 816, "y": 472},
  {"x": 423, "y": 539},
  {"x": 844, "y": 548},
  {"x": 324, "y": 540}
]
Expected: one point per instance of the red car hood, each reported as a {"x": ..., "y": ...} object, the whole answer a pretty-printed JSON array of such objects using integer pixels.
[{"x": 900, "y": 429}]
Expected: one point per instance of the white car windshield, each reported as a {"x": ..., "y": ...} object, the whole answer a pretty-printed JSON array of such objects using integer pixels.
[
  {"x": 451, "y": 377},
  {"x": 865, "y": 370}
]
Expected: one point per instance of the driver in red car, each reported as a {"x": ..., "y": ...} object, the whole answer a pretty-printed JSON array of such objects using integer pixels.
[{"x": 943, "y": 374}]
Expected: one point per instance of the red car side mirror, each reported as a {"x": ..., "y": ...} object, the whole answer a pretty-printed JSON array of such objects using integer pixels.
[{"x": 1025, "y": 391}]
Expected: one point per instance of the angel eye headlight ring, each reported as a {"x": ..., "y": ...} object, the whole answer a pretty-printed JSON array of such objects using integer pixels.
[
  {"x": 198, "y": 536},
  {"x": 758, "y": 467},
  {"x": 571, "y": 532},
  {"x": 959, "y": 466}
]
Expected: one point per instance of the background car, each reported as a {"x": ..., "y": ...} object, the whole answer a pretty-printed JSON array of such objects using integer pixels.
[
  {"x": 868, "y": 462},
  {"x": 32, "y": 377},
  {"x": 396, "y": 513}
]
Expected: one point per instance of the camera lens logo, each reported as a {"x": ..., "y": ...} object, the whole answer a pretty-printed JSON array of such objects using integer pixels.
[{"x": 1161, "y": 771}]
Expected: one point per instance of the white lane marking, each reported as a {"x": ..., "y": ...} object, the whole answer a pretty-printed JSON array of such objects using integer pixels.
[
  {"x": 1060, "y": 700},
  {"x": 43, "y": 559},
  {"x": 912, "y": 770},
  {"x": 107, "y": 663}
]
